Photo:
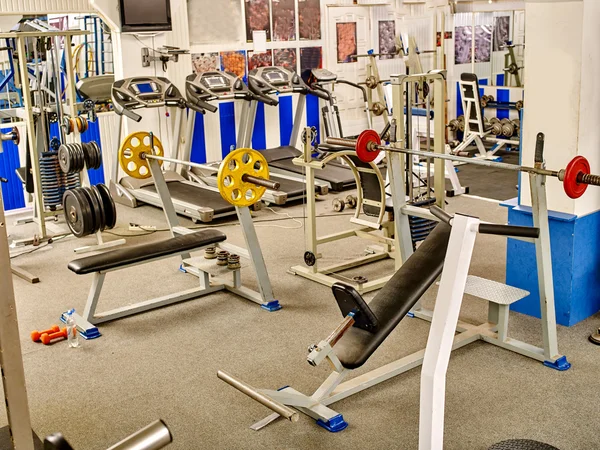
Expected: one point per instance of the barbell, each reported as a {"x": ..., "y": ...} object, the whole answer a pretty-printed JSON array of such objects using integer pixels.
[
  {"x": 242, "y": 178},
  {"x": 12, "y": 135},
  {"x": 575, "y": 177}
]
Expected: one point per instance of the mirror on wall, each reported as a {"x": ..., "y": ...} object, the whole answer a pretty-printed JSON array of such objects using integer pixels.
[{"x": 493, "y": 44}]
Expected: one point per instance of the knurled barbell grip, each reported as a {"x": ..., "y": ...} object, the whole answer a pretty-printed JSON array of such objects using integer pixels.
[
  {"x": 259, "y": 181},
  {"x": 588, "y": 178}
]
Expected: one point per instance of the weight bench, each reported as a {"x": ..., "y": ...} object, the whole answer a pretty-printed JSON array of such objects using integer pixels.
[
  {"x": 122, "y": 258},
  {"x": 363, "y": 330}
]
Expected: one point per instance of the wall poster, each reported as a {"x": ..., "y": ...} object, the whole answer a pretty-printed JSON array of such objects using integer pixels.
[
  {"x": 234, "y": 62},
  {"x": 483, "y": 43},
  {"x": 205, "y": 62},
  {"x": 263, "y": 59},
  {"x": 284, "y": 20},
  {"x": 203, "y": 27},
  {"x": 309, "y": 12},
  {"x": 285, "y": 57},
  {"x": 257, "y": 17},
  {"x": 387, "y": 39},
  {"x": 501, "y": 32},
  {"x": 311, "y": 58},
  {"x": 346, "y": 42},
  {"x": 462, "y": 45}
]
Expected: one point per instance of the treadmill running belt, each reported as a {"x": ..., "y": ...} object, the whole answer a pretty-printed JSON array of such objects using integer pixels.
[
  {"x": 339, "y": 177},
  {"x": 291, "y": 187},
  {"x": 196, "y": 196}
]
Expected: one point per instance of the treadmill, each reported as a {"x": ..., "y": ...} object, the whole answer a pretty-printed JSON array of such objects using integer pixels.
[
  {"x": 217, "y": 86},
  {"x": 199, "y": 203},
  {"x": 265, "y": 81}
]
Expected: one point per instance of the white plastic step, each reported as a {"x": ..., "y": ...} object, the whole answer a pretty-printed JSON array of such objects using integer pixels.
[
  {"x": 493, "y": 291},
  {"x": 209, "y": 266}
]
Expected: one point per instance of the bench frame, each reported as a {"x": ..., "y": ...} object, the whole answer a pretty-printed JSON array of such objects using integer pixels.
[
  {"x": 452, "y": 289},
  {"x": 447, "y": 333},
  {"x": 87, "y": 322}
]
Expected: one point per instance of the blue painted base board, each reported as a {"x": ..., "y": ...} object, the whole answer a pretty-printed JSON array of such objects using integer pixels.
[{"x": 575, "y": 247}]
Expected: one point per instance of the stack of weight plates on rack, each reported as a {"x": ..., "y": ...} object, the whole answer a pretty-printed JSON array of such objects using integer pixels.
[
  {"x": 54, "y": 181},
  {"x": 89, "y": 210}
]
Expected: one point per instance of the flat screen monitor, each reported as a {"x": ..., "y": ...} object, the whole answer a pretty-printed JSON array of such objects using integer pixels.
[{"x": 145, "y": 15}]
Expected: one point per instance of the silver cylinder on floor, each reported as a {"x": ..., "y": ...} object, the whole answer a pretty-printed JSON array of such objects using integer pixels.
[{"x": 152, "y": 437}]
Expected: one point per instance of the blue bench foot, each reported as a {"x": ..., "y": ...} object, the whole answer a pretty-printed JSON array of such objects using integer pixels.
[
  {"x": 271, "y": 306},
  {"x": 560, "y": 364},
  {"x": 334, "y": 424}
]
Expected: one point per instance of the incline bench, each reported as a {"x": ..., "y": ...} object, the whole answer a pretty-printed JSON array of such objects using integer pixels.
[{"x": 123, "y": 258}]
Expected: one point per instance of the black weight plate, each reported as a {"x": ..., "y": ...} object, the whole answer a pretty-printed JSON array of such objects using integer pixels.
[
  {"x": 89, "y": 156},
  {"x": 77, "y": 212},
  {"x": 81, "y": 156},
  {"x": 109, "y": 206},
  {"x": 98, "y": 154},
  {"x": 96, "y": 211},
  {"x": 64, "y": 159},
  {"x": 100, "y": 202},
  {"x": 94, "y": 150}
]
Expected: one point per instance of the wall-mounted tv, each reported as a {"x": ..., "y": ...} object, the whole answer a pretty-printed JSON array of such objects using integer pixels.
[{"x": 145, "y": 15}]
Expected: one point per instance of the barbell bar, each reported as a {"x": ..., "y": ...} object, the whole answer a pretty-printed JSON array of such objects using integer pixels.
[
  {"x": 575, "y": 177},
  {"x": 259, "y": 181},
  {"x": 242, "y": 178}
]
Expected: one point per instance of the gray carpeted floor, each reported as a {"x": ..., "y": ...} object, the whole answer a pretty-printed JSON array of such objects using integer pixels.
[{"x": 163, "y": 364}]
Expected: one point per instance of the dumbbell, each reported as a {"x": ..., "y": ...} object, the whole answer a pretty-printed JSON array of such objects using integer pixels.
[
  {"x": 339, "y": 204},
  {"x": 485, "y": 99},
  {"x": 510, "y": 127},
  {"x": 36, "y": 335},
  {"x": 377, "y": 109},
  {"x": 457, "y": 124},
  {"x": 495, "y": 126},
  {"x": 47, "y": 338},
  {"x": 519, "y": 105}
]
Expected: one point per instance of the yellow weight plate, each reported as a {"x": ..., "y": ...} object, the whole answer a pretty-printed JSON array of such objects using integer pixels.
[
  {"x": 131, "y": 150},
  {"x": 230, "y": 179}
]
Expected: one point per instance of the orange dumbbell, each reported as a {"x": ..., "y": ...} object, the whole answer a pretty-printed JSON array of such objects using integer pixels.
[
  {"x": 47, "y": 338},
  {"x": 36, "y": 335}
]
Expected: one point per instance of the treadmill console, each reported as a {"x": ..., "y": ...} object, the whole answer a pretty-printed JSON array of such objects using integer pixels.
[
  {"x": 144, "y": 92},
  {"x": 321, "y": 76},
  {"x": 275, "y": 80},
  {"x": 215, "y": 85}
]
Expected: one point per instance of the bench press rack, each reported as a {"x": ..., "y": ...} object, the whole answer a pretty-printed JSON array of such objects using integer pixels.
[
  {"x": 443, "y": 252},
  {"x": 199, "y": 266}
]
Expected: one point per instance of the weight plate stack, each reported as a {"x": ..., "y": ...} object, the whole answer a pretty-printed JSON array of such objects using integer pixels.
[
  {"x": 71, "y": 157},
  {"x": 78, "y": 212},
  {"x": 93, "y": 155},
  {"x": 51, "y": 178},
  {"x": 88, "y": 210},
  {"x": 110, "y": 211}
]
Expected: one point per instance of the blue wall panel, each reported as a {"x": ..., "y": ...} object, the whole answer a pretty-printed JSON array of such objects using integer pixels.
[
  {"x": 198, "y": 152},
  {"x": 259, "y": 136},
  {"x": 12, "y": 192},
  {"x": 313, "y": 114},
  {"x": 93, "y": 134},
  {"x": 228, "y": 137},
  {"x": 286, "y": 119},
  {"x": 502, "y": 96}
]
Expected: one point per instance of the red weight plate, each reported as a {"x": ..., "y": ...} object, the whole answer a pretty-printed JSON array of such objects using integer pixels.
[
  {"x": 577, "y": 165},
  {"x": 362, "y": 150}
]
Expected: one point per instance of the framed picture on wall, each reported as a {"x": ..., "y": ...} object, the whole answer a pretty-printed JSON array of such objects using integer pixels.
[
  {"x": 501, "y": 32},
  {"x": 309, "y": 16},
  {"x": 258, "y": 17},
  {"x": 387, "y": 39},
  {"x": 284, "y": 20},
  {"x": 285, "y": 57},
  {"x": 483, "y": 43},
  {"x": 311, "y": 58},
  {"x": 234, "y": 62},
  {"x": 205, "y": 62},
  {"x": 463, "y": 41},
  {"x": 263, "y": 59},
  {"x": 346, "y": 42}
]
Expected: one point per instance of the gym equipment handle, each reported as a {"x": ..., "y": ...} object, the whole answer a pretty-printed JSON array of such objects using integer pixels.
[
  {"x": 274, "y": 185},
  {"x": 152, "y": 437},
  {"x": 441, "y": 214},
  {"x": 509, "y": 230},
  {"x": 279, "y": 408}
]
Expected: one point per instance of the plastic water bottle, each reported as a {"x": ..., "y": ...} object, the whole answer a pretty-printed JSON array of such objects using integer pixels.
[{"x": 72, "y": 333}]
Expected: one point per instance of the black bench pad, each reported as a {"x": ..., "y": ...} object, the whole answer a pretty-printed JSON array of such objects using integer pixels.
[
  {"x": 139, "y": 253},
  {"x": 396, "y": 298}
]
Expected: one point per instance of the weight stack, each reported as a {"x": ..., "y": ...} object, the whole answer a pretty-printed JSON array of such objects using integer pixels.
[
  {"x": 54, "y": 181},
  {"x": 419, "y": 227}
]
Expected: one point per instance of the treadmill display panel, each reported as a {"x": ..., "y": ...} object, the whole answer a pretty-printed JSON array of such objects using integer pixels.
[
  {"x": 145, "y": 88},
  {"x": 275, "y": 77},
  {"x": 216, "y": 82}
]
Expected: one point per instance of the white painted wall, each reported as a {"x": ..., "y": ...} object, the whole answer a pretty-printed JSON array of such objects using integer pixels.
[{"x": 553, "y": 78}]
